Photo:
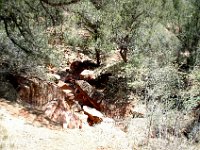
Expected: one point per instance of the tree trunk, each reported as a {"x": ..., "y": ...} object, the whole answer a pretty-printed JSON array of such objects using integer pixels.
[
  {"x": 98, "y": 56},
  {"x": 123, "y": 53}
]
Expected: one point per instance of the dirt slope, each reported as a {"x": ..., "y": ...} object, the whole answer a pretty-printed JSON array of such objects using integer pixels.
[
  {"x": 23, "y": 135},
  {"x": 22, "y": 130}
]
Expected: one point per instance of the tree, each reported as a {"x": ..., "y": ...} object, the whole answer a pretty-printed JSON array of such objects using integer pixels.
[
  {"x": 113, "y": 23},
  {"x": 184, "y": 19},
  {"x": 25, "y": 24}
]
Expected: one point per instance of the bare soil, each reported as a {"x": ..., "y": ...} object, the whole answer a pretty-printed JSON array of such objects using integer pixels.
[
  {"x": 21, "y": 128},
  {"x": 24, "y": 131}
]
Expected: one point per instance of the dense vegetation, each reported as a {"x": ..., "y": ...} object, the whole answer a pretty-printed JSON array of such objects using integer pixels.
[{"x": 159, "y": 42}]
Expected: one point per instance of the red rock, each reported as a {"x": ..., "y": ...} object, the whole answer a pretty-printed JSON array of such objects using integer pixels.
[
  {"x": 88, "y": 95},
  {"x": 37, "y": 92},
  {"x": 87, "y": 75},
  {"x": 94, "y": 116},
  {"x": 92, "y": 111},
  {"x": 59, "y": 112},
  {"x": 71, "y": 121},
  {"x": 50, "y": 108},
  {"x": 64, "y": 86}
]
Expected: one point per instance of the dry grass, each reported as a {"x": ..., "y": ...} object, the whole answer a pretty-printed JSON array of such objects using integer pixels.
[
  {"x": 18, "y": 133},
  {"x": 5, "y": 141}
]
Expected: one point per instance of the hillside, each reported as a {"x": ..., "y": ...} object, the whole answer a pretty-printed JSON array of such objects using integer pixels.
[{"x": 100, "y": 74}]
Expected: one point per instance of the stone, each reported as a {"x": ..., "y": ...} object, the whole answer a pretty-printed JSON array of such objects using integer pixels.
[
  {"x": 71, "y": 121},
  {"x": 93, "y": 111},
  {"x": 37, "y": 92},
  {"x": 64, "y": 86},
  {"x": 87, "y": 75},
  {"x": 94, "y": 116},
  {"x": 88, "y": 95}
]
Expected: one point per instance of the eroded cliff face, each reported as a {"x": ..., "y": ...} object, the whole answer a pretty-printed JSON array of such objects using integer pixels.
[
  {"x": 80, "y": 85},
  {"x": 37, "y": 92},
  {"x": 63, "y": 102}
]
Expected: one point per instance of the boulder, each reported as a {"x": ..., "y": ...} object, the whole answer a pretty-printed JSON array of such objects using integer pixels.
[
  {"x": 88, "y": 95},
  {"x": 71, "y": 121},
  {"x": 37, "y": 92},
  {"x": 56, "y": 108},
  {"x": 94, "y": 116},
  {"x": 87, "y": 75},
  {"x": 60, "y": 112}
]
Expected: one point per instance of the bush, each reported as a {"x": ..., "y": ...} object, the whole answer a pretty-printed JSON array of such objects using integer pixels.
[{"x": 164, "y": 83}]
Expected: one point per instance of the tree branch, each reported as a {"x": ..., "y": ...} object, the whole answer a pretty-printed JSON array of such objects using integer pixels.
[
  {"x": 54, "y": 4},
  {"x": 12, "y": 39},
  {"x": 46, "y": 10}
]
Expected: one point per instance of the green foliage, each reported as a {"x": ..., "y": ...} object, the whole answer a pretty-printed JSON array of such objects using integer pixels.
[
  {"x": 163, "y": 83},
  {"x": 155, "y": 34},
  {"x": 24, "y": 41}
]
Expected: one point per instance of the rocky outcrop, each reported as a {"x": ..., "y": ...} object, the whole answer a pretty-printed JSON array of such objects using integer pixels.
[
  {"x": 87, "y": 94},
  {"x": 58, "y": 101},
  {"x": 38, "y": 93},
  {"x": 74, "y": 95},
  {"x": 94, "y": 116},
  {"x": 59, "y": 112}
]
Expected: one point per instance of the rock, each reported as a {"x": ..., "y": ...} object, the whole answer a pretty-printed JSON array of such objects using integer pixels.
[
  {"x": 76, "y": 68},
  {"x": 76, "y": 107},
  {"x": 64, "y": 86},
  {"x": 92, "y": 111},
  {"x": 71, "y": 121},
  {"x": 67, "y": 89},
  {"x": 83, "y": 118},
  {"x": 88, "y": 95},
  {"x": 63, "y": 74},
  {"x": 59, "y": 112},
  {"x": 50, "y": 108},
  {"x": 94, "y": 116},
  {"x": 87, "y": 75},
  {"x": 55, "y": 108},
  {"x": 38, "y": 93}
]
